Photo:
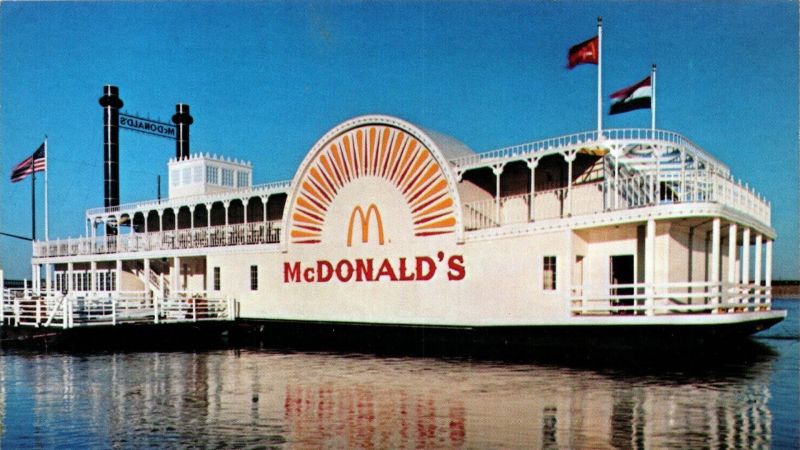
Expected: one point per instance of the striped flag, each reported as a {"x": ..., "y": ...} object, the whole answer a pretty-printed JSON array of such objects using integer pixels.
[
  {"x": 37, "y": 162},
  {"x": 633, "y": 97}
]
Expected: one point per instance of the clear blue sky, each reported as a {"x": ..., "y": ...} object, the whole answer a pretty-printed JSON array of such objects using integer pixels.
[{"x": 266, "y": 79}]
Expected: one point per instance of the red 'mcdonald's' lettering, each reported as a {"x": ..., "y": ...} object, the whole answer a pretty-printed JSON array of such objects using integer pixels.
[{"x": 423, "y": 268}]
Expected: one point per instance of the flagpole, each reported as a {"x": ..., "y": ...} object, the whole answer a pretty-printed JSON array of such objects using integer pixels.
[
  {"x": 46, "y": 171},
  {"x": 33, "y": 203},
  {"x": 653, "y": 109},
  {"x": 599, "y": 78}
]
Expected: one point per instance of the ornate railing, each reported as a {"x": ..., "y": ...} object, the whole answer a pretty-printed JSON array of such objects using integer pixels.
[
  {"x": 252, "y": 191},
  {"x": 222, "y": 235},
  {"x": 669, "y": 298},
  {"x": 636, "y": 191},
  {"x": 93, "y": 309},
  {"x": 588, "y": 138}
]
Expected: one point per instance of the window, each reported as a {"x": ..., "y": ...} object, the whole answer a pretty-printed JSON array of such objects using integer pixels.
[
  {"x": 175, "y": 177},
  {"x": 187, "y": 175},
  {"x": 216, "y": 279},
  {"x": 212, "y": 175},
  {"x": 227, "y": 177},
  {"x": 549, "y": 273},
  {"x": 197, "y": 174},
  {"x": 253, "y": 278},
  {"x": 242, "y": 179}
]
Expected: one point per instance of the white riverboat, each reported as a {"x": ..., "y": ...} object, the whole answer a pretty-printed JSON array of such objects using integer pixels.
[{"x": 387, "y": 224}]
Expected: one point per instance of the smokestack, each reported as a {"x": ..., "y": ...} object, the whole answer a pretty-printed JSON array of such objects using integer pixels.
[
  {"x": 182, "y": 120},
  {"x": 111, "y": 104}
]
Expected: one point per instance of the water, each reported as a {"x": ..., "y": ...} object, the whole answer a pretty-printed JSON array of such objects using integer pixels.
[{"x": 262, "y": 398}]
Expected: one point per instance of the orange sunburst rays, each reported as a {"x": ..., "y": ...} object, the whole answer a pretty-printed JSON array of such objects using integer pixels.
[{"x": 374, "y": 151}]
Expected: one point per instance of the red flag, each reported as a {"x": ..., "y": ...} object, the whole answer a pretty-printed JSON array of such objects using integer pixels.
[{"x": 584, "y": 53}]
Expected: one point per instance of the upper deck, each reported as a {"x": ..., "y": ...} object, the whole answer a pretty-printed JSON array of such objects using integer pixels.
[{"x": 573, "y": 180}]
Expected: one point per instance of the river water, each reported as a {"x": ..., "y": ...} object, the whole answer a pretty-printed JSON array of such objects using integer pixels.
[{"x": 264, "y": 398}]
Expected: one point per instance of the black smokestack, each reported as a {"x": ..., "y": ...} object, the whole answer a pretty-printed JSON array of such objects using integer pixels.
[
  {"x": 111, "y": 104},
  {"x": 182, "y": 120}
]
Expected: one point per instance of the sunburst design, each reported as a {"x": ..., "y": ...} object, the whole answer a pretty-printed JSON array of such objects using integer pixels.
[{"x": 374, "y": 151}]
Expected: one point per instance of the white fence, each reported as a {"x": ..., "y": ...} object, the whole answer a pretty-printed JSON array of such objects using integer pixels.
[
  {"x": 238, "y": 234},
  {"x": 669, "y": 298},
  {"x": 19, "y": 308}
]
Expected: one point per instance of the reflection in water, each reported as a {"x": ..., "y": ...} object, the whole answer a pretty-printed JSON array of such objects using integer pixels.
[{"x": 231, "y": 398}]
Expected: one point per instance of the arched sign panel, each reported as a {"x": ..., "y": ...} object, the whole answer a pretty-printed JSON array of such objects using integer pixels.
[{"x": 370, "y": 190}]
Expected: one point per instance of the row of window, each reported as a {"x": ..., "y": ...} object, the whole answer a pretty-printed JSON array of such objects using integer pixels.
[
  {"x": 82, "y": 281},
  {"x": 194, "y": 175},
  {"x": 253, "y": 278}
]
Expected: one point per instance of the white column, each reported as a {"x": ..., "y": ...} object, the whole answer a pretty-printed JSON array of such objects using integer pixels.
[
  {"x": 225, "y": 206},
  {"x": 715, "y": 244},
  {"x": 532, "y": 164},
  {"x": 732, "y": 247},
  {"x": 569, "y": 157},
  {"x": 768, "y": 268},
  {"x": 70, "y": 284},
  {"x": 650, "y": 263},
  {"x": 176, "y": 278},
  {"x": 48, "y": 279},
  {"x": 264, "y": 201},
  {"x": 34, "y": 277},
  {"x": 208, "y": 214},
  {"x": 147, "y": 277},
  {"x": 191, "y": 216},
  {"x": 497, "y": 170},
  {"x": 93, "y": 271},
  {"x": 746, "y": 256},
  {"x": 757, "y": 271},
  {"x": 244, "y": 209},
  {"x": 118, "y": 277}
]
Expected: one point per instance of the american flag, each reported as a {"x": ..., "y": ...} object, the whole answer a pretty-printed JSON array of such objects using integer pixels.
[{"x": 37, "y": 162}]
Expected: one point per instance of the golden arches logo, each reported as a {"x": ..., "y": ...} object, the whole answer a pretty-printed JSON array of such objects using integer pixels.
[
  {"x": 364, "y": 219},
  {"x": 373, "y": 151}
]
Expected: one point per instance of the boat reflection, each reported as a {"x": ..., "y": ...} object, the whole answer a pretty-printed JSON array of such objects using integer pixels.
[{"x": 259, "y": 397}]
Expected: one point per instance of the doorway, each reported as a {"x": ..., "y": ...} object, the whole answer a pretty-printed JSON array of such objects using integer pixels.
[{"x": 622, "y": 272}]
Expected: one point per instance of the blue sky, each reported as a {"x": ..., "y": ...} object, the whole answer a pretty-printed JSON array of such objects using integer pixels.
[{"x": 266, "y": 79}]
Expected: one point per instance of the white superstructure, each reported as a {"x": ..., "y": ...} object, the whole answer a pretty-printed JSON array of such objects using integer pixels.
[{"x": 386, "y": 223}]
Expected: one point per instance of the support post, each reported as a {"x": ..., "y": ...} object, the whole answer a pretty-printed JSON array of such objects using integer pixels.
[
  {"x": 746, "y": 258},
  {"x": 715, "y": 250},
  {"x": 93, "y": 269},
  {"x": 497, "y": 169},
  {"x": 147, "y": 277},
  {"x": 48, "y": 280},
  {"x": 649, "y": 265},
  {"x": 118, "y": 277},
  {"x": 732, "y": 247},
  {"x": 176, "y": 279},
  {"x": 70, "y": 280},
  {"x": 569, "y": 157},
  {"x": 757, "y": 269},
  {"x": 532, "y": 164},
  {"x": 768, "y": 269}
]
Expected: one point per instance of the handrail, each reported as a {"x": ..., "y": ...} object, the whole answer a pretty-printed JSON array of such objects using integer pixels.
[
  {"x": 589, "y": 138},
  {"x": 250, "y": 233},
  {"x": 188, "y": 200}
]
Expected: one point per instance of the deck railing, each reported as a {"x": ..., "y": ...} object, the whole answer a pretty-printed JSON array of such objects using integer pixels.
[
  {"x": 669, "y": 298},
  {"x": 215, "y": 236},
  {"x": 255, "y": 190},
  {"x": 586, "y": 138},
  {"x": 68, "y": 311},
  {"x": 635, "y": 191}
]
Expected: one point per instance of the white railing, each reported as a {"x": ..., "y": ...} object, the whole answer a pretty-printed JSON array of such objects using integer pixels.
[
  {"x": 633, "y": 191},
  {"x": 222, "y": 235},
  {"x": 669, "y": 298},
  {"x": 572, "y": 141},
  {"x": 112, "y": 309},
  {"x": 255, "y": 190}
]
